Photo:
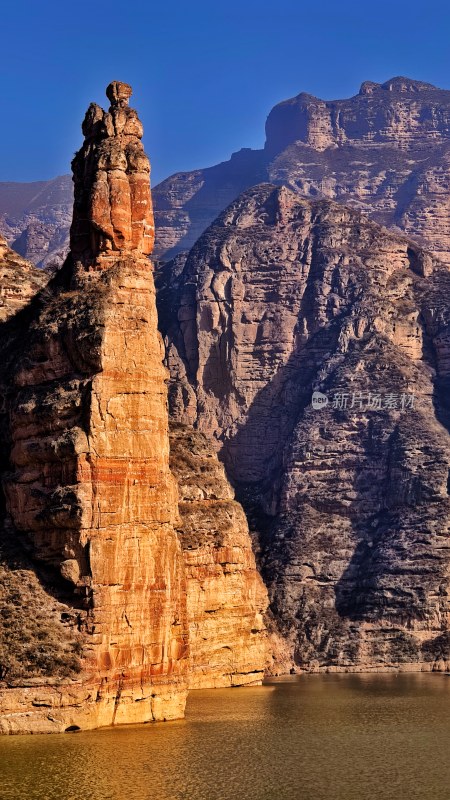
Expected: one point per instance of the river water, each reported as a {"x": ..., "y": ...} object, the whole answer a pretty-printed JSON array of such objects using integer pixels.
[{"x": 314, "y": 737}]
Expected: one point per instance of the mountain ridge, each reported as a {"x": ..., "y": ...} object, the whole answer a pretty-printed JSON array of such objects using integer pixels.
[
  {"x": 367, "y": 150},
  {"x": 280, "y": 298}
]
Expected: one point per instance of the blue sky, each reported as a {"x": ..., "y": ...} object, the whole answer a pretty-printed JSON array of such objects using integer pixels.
[{"x": 205, "y": 75}]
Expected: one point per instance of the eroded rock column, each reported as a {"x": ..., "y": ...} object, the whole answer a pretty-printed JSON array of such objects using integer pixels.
[{"x": 90, "y": 492}]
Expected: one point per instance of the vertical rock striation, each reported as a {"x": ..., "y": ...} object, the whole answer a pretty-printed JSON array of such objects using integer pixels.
[
  {"x": 226, "y": 598},
  {"x": 89, "y": 490},
  {"x": 282, "y": 297},
  {"x": 385, "y": 151},
  {"x": 151, "y": 601},
  {"x": 113, "y": 206}
]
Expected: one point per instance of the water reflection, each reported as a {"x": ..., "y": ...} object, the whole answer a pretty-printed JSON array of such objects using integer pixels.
[{"x": 345, "y": 737}]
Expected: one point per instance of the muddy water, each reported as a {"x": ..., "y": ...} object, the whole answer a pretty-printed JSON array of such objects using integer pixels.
[{"x": 337, "y": 737}]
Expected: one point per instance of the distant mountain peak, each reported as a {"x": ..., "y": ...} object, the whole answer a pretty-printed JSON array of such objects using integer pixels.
[
  {"x": 397, "y": 84},
  {"x": 379, "y": 113},
  {"x": 385, "y": 150}
]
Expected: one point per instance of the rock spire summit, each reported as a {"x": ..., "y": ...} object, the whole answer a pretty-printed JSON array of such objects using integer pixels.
[{"x": 111, "y": 173}]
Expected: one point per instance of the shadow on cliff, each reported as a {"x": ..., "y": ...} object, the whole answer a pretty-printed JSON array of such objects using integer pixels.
[
  {"x": 277, "y": 407},
  {"x": 15, "y": 550},
  {"x": 396, "y": 512},
  {"x": 398, "y": 574},
  {"x": 220, "y": 186},
  {"x": 433, "y": 296}
]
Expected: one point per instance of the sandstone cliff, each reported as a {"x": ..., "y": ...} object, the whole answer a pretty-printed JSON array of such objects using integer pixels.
[
  {"x": 88, "y": 493},
  {"x": 226, "y": 598},
  {"x": 385, "y": 151},
  {"x": 19, "y": 281},
  {"x": 282, "y": 297},
  {"x": 35, "y": 219}
]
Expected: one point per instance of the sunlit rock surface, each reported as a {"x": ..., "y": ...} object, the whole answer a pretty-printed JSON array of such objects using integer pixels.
[
  {"x": 385, "y": 151},
  {"x": 226, "y": 598},
  {"x": 88, "y": 492}
]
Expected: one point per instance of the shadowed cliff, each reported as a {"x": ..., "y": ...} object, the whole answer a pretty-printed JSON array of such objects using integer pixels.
[{"x": 282, "y": 297}]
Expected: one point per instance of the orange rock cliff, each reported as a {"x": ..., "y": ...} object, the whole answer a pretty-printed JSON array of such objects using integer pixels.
[{"x": 88, "y": 489}]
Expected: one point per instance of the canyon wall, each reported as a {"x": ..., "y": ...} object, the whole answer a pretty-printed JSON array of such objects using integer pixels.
[
  {"x": 284, "y": 297},
  {"x": 385, "y": 151},
  {"x": 90, "y": 501},
  {"x": 19, "y": 281},
  {"x": 226, "y": 598},
  {"x": 151, "y": 588},
  {"x": 35, "y": 219}
]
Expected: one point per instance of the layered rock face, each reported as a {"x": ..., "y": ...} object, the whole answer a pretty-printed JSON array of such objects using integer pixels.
[
  {"x": 89, "y": 490},
  {"x": 135, "y": 603},
  {"x": 19, "y": 281},
  {"x": 187, "y": 202},
  {"x": 35, "y": 219},
  {"x": 226, "y": 598},
  {"x": 385, "y": 151},
  {"x": 282, "y": 297},
  {"x": 401, "y": 112}
]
